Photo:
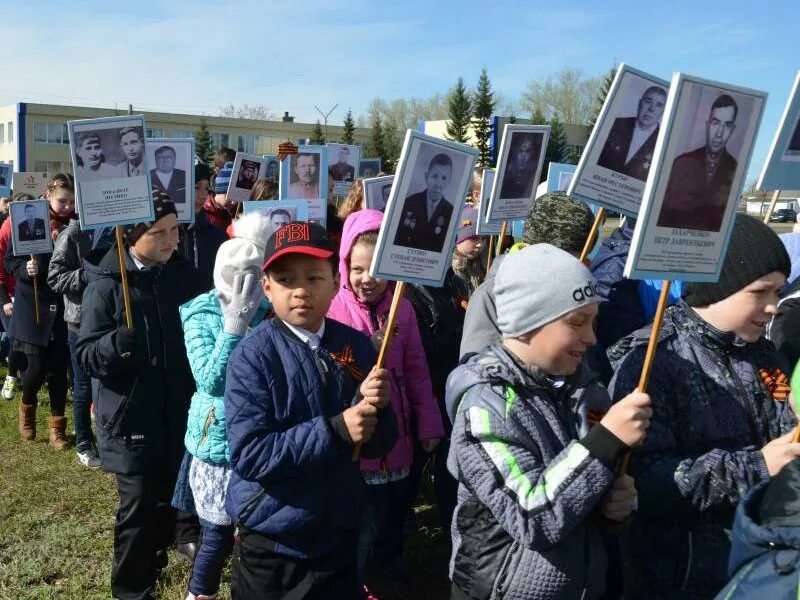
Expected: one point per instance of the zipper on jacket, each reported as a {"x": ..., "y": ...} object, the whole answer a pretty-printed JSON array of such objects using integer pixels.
[
  {"x": 740, "y": 385},
  {"x": 688, "y": 563},
  {"x": 147, "y": 337},
  {"x": 121, "y": 410},
  {"x": 499, "y": 587}
]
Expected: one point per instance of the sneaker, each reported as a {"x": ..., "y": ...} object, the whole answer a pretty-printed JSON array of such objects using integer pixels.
[
  {"x": 88, "y": 458},
  {"x": 9, "y": 387},
  {"x": 191, "y": 596}
]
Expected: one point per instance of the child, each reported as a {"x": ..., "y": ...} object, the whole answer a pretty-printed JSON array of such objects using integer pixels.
[
  {"x": 214, "y": 323},
  {"x": 264, "y": 189},
  {"x": 299, "y": 394},
  {"x": 468, "y": 261},
  {"x": 533, "y": 478},
  {"x": 353, "y": 201},
  {"x": 217, "y": 207},
  {"x": 363, "y": 303},
  {"x": 713, "y": 417},
  {"x": 44, "y": 344}
]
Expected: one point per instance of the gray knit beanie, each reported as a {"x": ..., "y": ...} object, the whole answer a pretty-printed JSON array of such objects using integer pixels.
[{"x": 537, "y": 285}]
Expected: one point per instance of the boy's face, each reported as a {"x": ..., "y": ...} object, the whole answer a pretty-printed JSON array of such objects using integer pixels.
[
  {"x": 436, "y": 179},
  {"x": 301, "y": 289},
  {"x": 158, "y": 243},
  {"x": 558, "y": 347},
  {"x": 747, "y": 312},
  {"x": 200, "y": 194}
]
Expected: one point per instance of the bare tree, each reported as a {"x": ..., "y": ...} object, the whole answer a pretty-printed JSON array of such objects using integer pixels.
[
  {"x": 567, "y": 95},
  {"x": 257, "y": 112}
]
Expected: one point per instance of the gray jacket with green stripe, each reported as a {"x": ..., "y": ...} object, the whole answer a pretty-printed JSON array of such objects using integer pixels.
[{"x": 531, "y": 476}]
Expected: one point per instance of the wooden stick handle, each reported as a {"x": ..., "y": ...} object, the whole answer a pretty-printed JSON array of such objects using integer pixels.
[
  {"x": 796, "y": 437},
  {"x": 590, "y": 239},
  {"x": 771, "y": 209},
  {"x": 649, "y": 357},
  {"x": 490, "y": 254},
  {"x": 123, "y": 270},
  {"x": 36, "y": 295},
  {"x": 500, "y": 239},
  {"x": 388, "y": 334}
]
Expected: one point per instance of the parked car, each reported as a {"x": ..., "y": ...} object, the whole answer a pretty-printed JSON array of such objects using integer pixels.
[{"x": 784, "y": 215}]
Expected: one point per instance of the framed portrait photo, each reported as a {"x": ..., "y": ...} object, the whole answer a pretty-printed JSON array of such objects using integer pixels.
[
  {"x": 6, "y": 177},
  {"x": 369, "y": 167},
  {"x": 247, "y": 169},
  {"x": 484, "y": 227},
  {"x": 697, "y": 175},
  {"x": 416, "y": 241},
  {"x": 559, "y": 176},
  {"x": 30, "y": 227},
  {"x": 171, "y": 162},
  {"x": 273, "y": 173},
  {"x": 279, "y": 212},
  {"x": 343, "y": 163},
  {"x": 781, "y": 170},
  {"x": 112, "y": 178},
  {"x": 304, "y": 176},
  {"x": 615, "y": 164},
  {"x": 519, "y": 166},
  {"x": 377, "y": 191}
]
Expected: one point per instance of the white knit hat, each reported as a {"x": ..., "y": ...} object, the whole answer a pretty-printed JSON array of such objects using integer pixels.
[{"x": 245, "y": 251}]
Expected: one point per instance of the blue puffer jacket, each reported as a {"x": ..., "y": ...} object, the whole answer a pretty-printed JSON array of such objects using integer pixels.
[
  {"x": 294, "y": 479},
  {"x": 711, "y": 416},
  {"x": 208, "y": 348}
]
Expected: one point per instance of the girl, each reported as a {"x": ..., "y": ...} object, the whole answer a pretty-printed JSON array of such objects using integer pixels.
[
  {"x": 363, "y": 303},
  {"x": 44, "y": 344},
  {"x": 353, "y": 201},
  {"x": 214, "y": 323},
  {"x": 264, "y": 189},
  {"x": 469, "y": 262}
]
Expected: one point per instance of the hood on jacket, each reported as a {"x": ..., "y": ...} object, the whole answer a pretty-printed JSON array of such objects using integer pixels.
[
  {"x": 357, "y": 223},
  {"x": 209, "y": 302}
]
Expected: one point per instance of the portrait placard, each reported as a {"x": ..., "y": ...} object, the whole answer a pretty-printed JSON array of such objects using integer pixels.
[
  {"x": 30, "y": 227},
  {"x": 698, "y": 170},
  {"x": 559, "y": 176},
  {"x": 29, "y": 183},
  {"x": 416, "y": 241},
  {"x": 519, "y": 165},
  {"x": 247, "y": 168},
  {"x": 279, "y": 212},
  {"x": 614, "y": 165},
  {"x": 273, "y": 168},
  {"x": 343, "y": 163},
  {"x": 377, "y": 191},
  {"x": 369, "y": 167},
  {"x": 781, "y": 170},
  {"x": 172, "y": 171},
  {"x": 112, "y": 178},
  {"x": 483, "y": 227},
  {"x": 6, "y": 176},
  {"x": 304, "y": 176}
]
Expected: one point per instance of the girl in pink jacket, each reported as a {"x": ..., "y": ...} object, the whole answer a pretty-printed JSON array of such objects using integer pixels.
[{"x": 363, "y": 303}]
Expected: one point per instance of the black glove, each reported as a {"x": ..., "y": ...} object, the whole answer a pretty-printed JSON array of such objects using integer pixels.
[{"x": 125, "y": 342}]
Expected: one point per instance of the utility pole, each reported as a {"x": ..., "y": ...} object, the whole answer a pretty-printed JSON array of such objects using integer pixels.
[{"x": 325, "y": 118}]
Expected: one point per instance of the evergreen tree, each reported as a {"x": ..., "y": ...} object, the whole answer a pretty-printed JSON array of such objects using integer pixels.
[
  {"x": 349, "y": 129},
  {"x": 459, "y": 113},
  {"x": 203, "y": 144},
  {"x": 317, "y": 137},
  {"x": 556, "y": 146},
  {"x": 601, "y": 97},
  {"x": 482, "y": 114},
  {"x": 375, "y": 146}
]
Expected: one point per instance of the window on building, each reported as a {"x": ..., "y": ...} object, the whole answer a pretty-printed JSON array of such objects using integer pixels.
[
  {"x": 51, "y": 167},
  {"x": 50, "y": 133},
  {"x": 218, "y": 140},
  {"x": 40, "y": 133},
  {"x": 40, "y": 166},
  {"x": 2, "y": 134},
  {"x": 152, "y": 132},
  {"x": 246, "y": 143},
  {"x": 182, "y": 133},
  {"x": 10, "y": 132}
]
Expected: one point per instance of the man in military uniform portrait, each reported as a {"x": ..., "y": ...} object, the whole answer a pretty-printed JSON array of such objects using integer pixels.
[
  {"x": 426, "y": 215},
  {"x": 632, "y": 140},
  {"x": 523, "y": 158},
  {"x": 342, "y": 170},
  {"x": 32, "y": 228},
  {"x": 700, "y": 181}
]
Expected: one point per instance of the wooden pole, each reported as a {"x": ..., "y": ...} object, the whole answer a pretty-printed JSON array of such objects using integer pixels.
[
  {"x": 490, "y": 253},
  {"x": 123, "y": 270},
  {"x": 644, "y": 378},
  {"x": 36, "y": 295},
  {"x": 771, "y": 208},
  {"x": 501, "y": 239},
  {"x": 598, "y": 221},
  {"x": 388, "y": 334}
]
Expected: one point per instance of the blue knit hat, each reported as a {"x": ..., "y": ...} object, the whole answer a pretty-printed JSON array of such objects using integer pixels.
[{"x": 223, "y": 179}]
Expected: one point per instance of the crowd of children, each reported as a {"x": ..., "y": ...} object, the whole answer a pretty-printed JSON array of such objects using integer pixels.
[{"x": 243, "y": 414}]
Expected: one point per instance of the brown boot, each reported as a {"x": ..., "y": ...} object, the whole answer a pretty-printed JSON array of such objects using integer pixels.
[
  {"x": 27, "y": 421},
  {"x": 58, "y": 426}
]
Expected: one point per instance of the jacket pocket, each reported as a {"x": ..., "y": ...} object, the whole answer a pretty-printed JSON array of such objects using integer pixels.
[
  {"x": 504, "y": 576},
  {"x": 114, "y": 424}
]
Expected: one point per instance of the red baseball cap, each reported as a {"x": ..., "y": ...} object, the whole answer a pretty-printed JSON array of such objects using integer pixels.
[{"x": 297, "y": 237}]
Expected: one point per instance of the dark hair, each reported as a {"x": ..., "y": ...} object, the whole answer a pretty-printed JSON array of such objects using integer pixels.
[
  {"x": 222, "y": 156},
  {"x": 655, "y": 88},
  {"x": 441, "y": 159},
  {"x": 724, "y": 101},
  {"x": 27, "y": 206},
  {"x": 280, "y": 211},
  {"x": 163, "y": 149},
  {"x": 82, "y": 138},
  {"x": 61, "y": 181},
  {"x": 126, "y": 130}
]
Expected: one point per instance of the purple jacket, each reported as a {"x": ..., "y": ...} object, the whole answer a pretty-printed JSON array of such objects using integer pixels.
[{"x": 412, "y": 398}]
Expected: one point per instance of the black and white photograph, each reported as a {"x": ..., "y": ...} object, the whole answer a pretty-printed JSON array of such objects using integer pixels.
[
  {"x": 247, "y": 168},
  {"x": 483, "y": 226},
  {"x": 699, "y": 169},
  {"x": 369, "y": 167},
  {"x": 172, "y": 172},
  {"x": 278, "y": 212},
  {"x": 343, "y": 161},
  {"x": 112, "y": 177},
  {"x": 519, "y": 166},
  {"x": 780, "y": 170},
  {"x": 30, "y": 182},
  {"x": 377, "y": 191},
  {"x": 30, "y": 227},
  {"x": 273, "y": 168},
  {"x": 615, "y": 164},
  {"x": 6, "y": 175},
  {"x": 304, "y": 176},
  {"x": 430, "y": 187}
]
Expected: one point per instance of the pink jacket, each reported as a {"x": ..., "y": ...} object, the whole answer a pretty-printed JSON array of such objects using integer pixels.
[{"x": 411, "y": 392}]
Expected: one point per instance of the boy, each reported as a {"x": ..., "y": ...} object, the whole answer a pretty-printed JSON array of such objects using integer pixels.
[
  {"x": 718, "y": 416},
  {"x": 299, "y": 395},
  {"x": 534, "y": 480},
  {"x": 217, "y": 207}
]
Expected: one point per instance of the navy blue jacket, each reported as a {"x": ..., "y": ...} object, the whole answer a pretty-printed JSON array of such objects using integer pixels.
[
  {"x": 23, "y": 326},
  {"x": 294, "y": 479}
]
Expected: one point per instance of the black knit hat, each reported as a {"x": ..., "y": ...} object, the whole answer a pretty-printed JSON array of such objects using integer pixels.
[
  {"x": 162, "y": 206},
  {"x": 754, "y": 251}
]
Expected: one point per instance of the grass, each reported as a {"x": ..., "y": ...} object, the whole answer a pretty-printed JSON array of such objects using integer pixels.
[{"x": 57, "y": 522}]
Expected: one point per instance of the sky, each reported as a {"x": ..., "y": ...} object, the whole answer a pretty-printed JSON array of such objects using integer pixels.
[{"x": 288, "y": 55}]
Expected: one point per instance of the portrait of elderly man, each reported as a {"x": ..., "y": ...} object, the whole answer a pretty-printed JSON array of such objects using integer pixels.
[
  {"x": 166, "y": 177},
  {"x": 632, "y": 140},
  {"x": 700, "y": 181},
  {"x": 305, "y": 169}
]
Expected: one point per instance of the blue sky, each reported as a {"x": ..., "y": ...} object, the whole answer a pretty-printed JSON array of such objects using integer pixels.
[{"x": 289, "y": 55}]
